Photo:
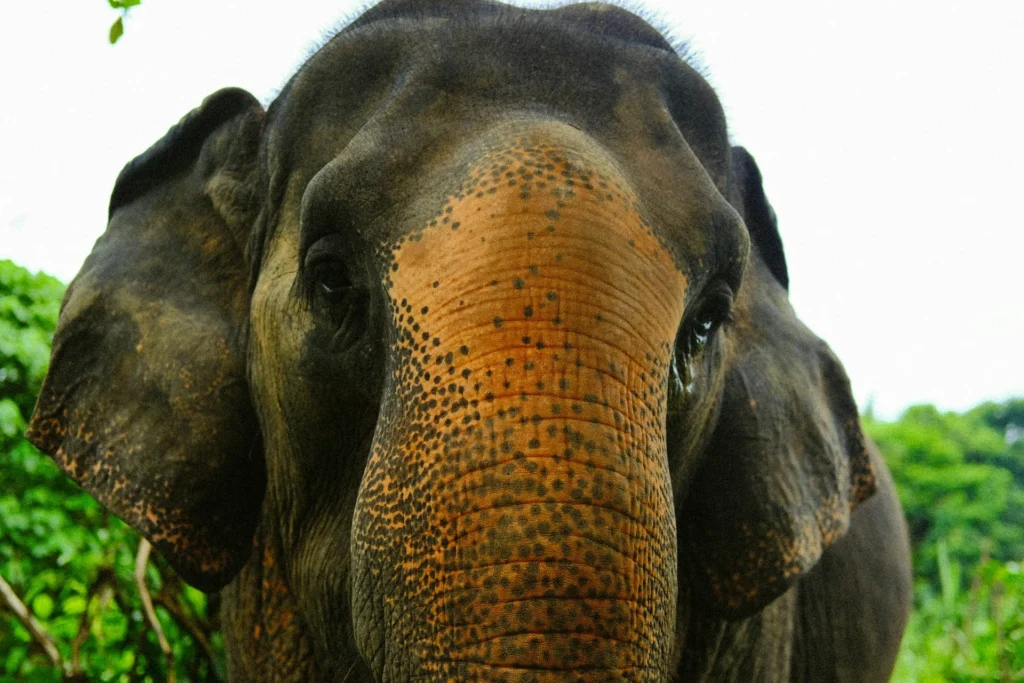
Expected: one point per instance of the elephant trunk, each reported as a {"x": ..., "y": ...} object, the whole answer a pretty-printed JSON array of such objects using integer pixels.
[{"x": 515, "y": 520}]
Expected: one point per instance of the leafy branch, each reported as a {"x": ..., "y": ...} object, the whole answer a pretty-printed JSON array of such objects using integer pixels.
[
  {"x": 39, "y": 634},
  {"x": 103, "y": 590},
  {"x": 105, "y": 587},
  {"x": 122, "y": 6}
]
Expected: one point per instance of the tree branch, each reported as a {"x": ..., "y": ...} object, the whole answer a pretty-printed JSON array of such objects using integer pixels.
[
  {"x": 104, "y": 582},
  {"x": 972, "y": 603},
  {"x": 141, "y": 560},
  {"x": 19, "y": 609},
  {"x": 194, "y": 629},
  {"x": 1004, "y": 664}
]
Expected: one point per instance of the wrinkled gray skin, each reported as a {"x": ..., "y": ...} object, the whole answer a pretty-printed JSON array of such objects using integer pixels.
[{"x": 354, "y": 361}]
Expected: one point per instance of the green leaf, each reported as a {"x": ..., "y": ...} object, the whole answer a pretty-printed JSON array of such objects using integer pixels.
[
  {"x": 116, "y": 30},
  {"x": 127, "y": 660},
  {"x": 15, "y": 657},
  {"x": 12, "y": 424},
  {"x": 74, "y": 605},
  {"x": 42, "y": 605}
]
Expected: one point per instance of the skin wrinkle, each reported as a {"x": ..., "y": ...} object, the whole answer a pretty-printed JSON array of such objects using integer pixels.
[
  {"x": 540, "y": 304},
  {"x": 577, "y": 335},
  {"x": 498, "y": 397},
  {"x": 616, "y": 598},
  {"x": 531, "y": 457},
  {"x": 596, "y": 636},
  {"x": 541, "y": 667},
  {"x": 527, "y": 502},
  {"x": 589, "y": 598},
  {"x": 457, "y": 536},
  {"x": 574, "y": 566},
  {"x": 596, "y": 256},
  {"x": 526, "y": 461},
  {"x": 500, "y": 464}
]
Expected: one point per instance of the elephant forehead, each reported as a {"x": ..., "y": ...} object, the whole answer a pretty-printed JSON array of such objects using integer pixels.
[
  {"x": 538, "y": 231},
  {"x": 384, "y": 101}
]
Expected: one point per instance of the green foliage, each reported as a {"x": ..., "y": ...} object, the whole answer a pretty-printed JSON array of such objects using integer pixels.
[
  {"x": 69, "y": 560},
  {"x": 29, "y": 305},
  {"x": 970, "y": 633},
  {"x": 122, "y": 6},
  {"x": 960, "y": 478}
]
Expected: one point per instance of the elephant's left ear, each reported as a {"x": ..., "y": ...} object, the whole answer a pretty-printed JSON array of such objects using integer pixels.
[
  {"x": 146, "y": 403},
  {"x": 787, "y": 462}
]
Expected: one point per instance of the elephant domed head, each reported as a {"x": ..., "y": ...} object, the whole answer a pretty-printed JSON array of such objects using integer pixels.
[{"x": 481, "y": 331}]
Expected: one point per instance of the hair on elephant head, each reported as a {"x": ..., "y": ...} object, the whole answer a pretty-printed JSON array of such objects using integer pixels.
[{"x": 470, "y": 358}]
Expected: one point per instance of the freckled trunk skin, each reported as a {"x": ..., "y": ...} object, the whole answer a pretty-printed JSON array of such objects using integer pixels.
[
  {"x": 265, "y": 636},
  {"x": 515, "y": 520}
]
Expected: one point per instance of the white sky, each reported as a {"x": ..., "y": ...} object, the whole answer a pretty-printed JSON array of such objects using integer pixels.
[{"x": 890, "y": 136}]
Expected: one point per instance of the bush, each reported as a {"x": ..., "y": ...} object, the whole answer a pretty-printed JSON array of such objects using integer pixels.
[{"x": 960, "y": 478}]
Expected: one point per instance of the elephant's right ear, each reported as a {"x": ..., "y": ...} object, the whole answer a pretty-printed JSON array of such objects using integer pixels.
[
  {"x": 787, "y": 462},
  {"x": 146, "y": 403}
]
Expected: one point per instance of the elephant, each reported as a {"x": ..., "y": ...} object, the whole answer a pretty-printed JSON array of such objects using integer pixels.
[{"x": 471, "y": 358}]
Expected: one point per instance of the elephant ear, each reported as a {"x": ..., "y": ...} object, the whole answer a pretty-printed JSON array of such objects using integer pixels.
[
  {"x": 146, "y": 403},
  {"x": 787, "y": 461}
]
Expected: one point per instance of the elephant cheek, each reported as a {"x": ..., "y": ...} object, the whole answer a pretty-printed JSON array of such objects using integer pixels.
[{"x": 515, "y": 516}]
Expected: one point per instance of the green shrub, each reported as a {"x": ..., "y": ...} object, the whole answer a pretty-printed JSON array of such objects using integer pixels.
[{"x": 960, "y": 478}]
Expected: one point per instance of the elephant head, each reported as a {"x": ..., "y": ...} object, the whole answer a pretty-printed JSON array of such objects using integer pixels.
[{"x": 483, "y": 328}]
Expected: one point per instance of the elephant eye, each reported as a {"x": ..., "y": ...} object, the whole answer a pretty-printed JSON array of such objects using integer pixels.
[
  {"x": 711, "y": 311},
  {"x": 330, "y": 278},
  {"x": 327, "y": 273}
]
